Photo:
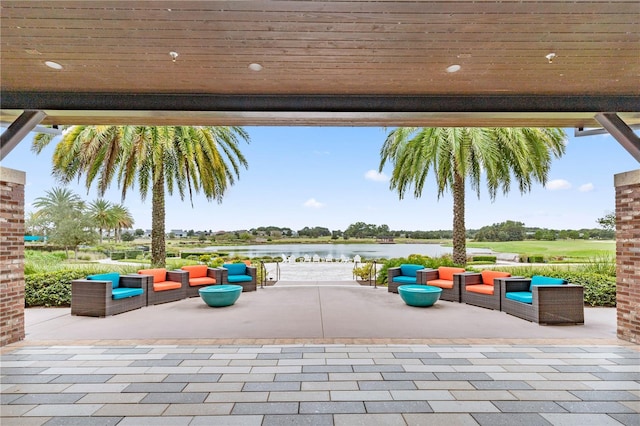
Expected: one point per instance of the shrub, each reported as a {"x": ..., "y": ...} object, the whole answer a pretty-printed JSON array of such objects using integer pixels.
[
  {"x": 484, "y": 258},
  {"x": 117, "y": 255},
  {"x": 50, "y": 288},
  {"x": 132, "y": 254},
  {"x": 364, "y": 271}
]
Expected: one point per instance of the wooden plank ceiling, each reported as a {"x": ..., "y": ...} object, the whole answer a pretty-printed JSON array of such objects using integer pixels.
[{"x": 317, "y": 58}]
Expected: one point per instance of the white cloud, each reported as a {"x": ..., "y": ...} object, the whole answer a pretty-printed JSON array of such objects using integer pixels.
[
  {"x": 313, "y": 203},
  {"x": 558, "y": 184},
  {"x": 587, "y": 187},
  {"x": 376, "y": 176}
]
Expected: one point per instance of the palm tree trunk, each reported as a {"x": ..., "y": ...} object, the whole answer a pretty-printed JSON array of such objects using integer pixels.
[
  {"x": 459, "y": 228},
  {"x": 158, "y": 249}
]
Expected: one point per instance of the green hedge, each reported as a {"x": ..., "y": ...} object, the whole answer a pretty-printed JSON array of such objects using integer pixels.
[
  {"x": 50, "y": 288},
  {"x": 484, "y": 258},
  {"x": 117, "y": 255}
]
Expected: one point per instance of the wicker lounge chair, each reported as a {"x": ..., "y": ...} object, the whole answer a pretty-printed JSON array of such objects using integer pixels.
[
  {"x": 444, "y": 277},
  {"x": 239, "y": 274},
  {"x": 481, "y": 289},
  {"x": 551, "y": 302},
  {"x": 405, "y": 274},
  {"x": 108, "y": 294},
  {"x": 165, "y": 286},
  {"x": 200, "y": 276}
]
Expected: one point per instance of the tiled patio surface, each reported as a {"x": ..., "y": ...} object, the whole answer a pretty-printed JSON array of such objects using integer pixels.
[{"x": 60, "y": 375}]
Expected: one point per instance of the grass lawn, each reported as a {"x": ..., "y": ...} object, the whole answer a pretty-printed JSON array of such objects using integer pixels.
[{"x": 572, "y": 249}]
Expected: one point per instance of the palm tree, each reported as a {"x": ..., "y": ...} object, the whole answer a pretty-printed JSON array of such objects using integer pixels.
[
  {"x": 68, "y": 223},
  {"x": 102, "y": 214},
  {"x": 122, "y": 219},
  {"x": 55, "y": 206},
  {"x": 496, "y": 155},
  {"x": 188, "y": 159}
]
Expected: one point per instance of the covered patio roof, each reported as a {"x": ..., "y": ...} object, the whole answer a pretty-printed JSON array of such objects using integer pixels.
[{"x": 427, "y": 63}]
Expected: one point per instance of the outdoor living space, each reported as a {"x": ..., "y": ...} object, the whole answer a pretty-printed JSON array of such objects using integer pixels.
[{"x": 321, "y": 353}]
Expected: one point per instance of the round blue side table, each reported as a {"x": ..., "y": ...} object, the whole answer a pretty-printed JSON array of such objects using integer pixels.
[
  {"x": 218, "y": 296},
  {"x": 419, "y": 295}
]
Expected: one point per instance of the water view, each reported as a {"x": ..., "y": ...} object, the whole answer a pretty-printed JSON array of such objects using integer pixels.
[{"x": 366, "y": 251}]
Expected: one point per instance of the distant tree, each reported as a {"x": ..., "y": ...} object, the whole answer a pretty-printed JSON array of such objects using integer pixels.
[
  {"x": 66, "y": 218},
  {"x": 138, "y": 232},
  {"x": 608, "y": 221},
  {"x": 127, "y": 236},
  {"x": 101, "y": 213}
]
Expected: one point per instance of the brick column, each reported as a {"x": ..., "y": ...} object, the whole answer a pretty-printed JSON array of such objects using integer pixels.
[
  {"x": 628, "y": 254},
  {"x": 11, "y": 255}
]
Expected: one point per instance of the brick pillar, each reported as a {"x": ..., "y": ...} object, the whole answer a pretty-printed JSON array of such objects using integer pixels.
[
  {"x": 628, "y": 254},
  {"x": 11, "y": 255}
]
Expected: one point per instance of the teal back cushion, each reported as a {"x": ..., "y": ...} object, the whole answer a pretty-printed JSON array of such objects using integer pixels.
[
  {"x": 542, "y": 280},
  {"x": 114, "y": 277},
  {"x": 235, "y": 268},
  {"x": 409, "y": 270}
]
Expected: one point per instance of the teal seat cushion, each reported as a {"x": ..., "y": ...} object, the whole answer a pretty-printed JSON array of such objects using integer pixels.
[
  {"x": 520, "y": 296},
  {"x": 235, "y": 268},
  {"x": 240, "y": 278},
  {"x": 114, "y": 277},
  {"x": 409, "y": 270},
  {"x": 542, "y": 280},
  {"x": 404, "y": 280},
  {"x": 124, "y": 292}
]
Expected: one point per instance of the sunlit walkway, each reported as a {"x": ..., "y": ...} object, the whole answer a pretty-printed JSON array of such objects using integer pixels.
[{"x": 323, "y": 353}]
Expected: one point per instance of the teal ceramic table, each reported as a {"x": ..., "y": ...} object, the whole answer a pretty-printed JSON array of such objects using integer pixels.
[
  {"x": 218, "y": 296},
  {"x": 419, "y": 295}
]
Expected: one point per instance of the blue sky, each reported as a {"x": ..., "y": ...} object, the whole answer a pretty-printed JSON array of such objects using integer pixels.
[{"x": 327, "y": 176}]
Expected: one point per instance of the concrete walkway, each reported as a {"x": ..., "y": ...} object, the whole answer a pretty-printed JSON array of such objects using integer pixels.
[{"x": 318, "y": 353}]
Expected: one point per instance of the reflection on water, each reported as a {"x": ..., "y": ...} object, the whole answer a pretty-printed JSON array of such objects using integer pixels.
[{"x": 366, "y": 251}]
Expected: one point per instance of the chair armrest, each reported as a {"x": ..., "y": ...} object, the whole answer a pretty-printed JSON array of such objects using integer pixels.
[
  {"x": 215, "y": 273},
  {"x": 421, "y": 276},
  {"x": 133, "y": 281},
  {"x": 468, "y": 278},
  {"x": 224, "y": 275},
  {"x": 91, "y": 286},
  {"x": 252, "y": 271},
  {"x": 432, "y": 274},
  {"x": 515, "y": 284},
  {"x": 558, "y": 292},
  {"x": 178, "y": 276},
  {"x": 392, "y": 272}
]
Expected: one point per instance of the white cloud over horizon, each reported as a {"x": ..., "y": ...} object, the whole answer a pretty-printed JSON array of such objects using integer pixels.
[
  {"x": 587, "y": 187},
  {"x": 376, "y": 176},
  {"x": 558, "y": 184},
  {"x": 313, "y": 203}
]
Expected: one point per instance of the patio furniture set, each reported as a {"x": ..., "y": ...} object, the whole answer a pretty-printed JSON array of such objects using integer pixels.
[
  {"x": 540, "y": 299},
  {"x": 108, "y": 294}
]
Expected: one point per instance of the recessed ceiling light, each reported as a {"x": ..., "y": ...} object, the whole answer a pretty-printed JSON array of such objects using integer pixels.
[
  {"x": 54, "y": 65},
  {"x": 255, "y": 67},
  {"x": 550, "y": 57},
  {"x": 453, "y": 68}
]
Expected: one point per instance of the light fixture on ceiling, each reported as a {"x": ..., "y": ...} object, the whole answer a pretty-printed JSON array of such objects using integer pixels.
[
  {"x": 53, "y": 65},
  {"x": 255, "y": 67},
  {"x": 550, "y": 57},
  {"x": 174, "y": 56},
  {"x": 453, "y": 68}
]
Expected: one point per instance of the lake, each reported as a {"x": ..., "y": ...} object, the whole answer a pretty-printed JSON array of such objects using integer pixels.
[{"x": 366, "y": 251}]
